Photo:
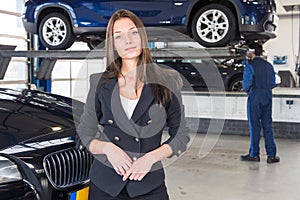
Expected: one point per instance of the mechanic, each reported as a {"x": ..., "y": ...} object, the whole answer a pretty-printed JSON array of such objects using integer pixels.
[{"x": 258, "y": 82}]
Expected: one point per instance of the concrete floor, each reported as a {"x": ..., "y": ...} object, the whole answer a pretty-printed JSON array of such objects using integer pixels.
[{"x": 222, "y": 176}]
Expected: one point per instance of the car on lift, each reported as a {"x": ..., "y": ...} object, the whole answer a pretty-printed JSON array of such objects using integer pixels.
[
  {"x": 211, "y": 23},
  {"x": 38, "y": 155},
  {"x": 203, "y": 75}
]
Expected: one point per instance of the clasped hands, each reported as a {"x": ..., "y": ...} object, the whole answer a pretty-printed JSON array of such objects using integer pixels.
[{"x": 125, "y": 166}]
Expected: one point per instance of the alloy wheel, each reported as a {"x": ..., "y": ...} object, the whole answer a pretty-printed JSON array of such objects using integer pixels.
[
  {"x": 54, "y": 31},
  {"x": 212, "y": 25}
]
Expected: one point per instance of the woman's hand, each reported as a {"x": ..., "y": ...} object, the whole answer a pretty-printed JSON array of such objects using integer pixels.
[
  {"x": 139, "y": 168},
  {"x": 120, "y": 161}
]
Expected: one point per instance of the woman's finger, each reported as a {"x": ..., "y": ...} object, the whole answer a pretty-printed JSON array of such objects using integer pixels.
[
  {"x": 134, "y": 176},
  {"x": 127, "y": 174},
  {"x": 141, "y": 176}
]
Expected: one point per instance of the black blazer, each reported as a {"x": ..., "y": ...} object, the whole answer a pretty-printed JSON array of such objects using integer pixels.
[{"x": 105, "y": 119}]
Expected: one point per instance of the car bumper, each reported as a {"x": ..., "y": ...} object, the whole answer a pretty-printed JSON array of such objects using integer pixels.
[
  {"x": 264, "y": 30},
  {"x": 30, "y": 27}
]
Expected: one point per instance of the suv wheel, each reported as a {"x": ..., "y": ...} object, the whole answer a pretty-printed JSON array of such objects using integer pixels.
[
  {"x": 236, "y": 84},
  {"x": 55, "y": 31},
  {"x": 214, "y": 25}
]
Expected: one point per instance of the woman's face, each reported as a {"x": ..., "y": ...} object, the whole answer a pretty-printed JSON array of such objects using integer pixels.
[{"x": 127, "y": 40}]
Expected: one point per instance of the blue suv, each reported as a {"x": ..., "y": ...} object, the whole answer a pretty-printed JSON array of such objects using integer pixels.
[{"x": 212, "y": 23}]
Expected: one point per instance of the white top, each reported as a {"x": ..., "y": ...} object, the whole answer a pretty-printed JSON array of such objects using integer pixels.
[{"x": 128, "y": 105}]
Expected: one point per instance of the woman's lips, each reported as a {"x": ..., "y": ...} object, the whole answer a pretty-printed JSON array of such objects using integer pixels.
[{"x": 130, "y": 48}]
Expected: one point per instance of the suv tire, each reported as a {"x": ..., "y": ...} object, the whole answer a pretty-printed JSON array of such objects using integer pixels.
[
  {"x": 214, "y": 25},
  {"x": 55, "y": 31},
  {"x": 235, "y": 84}
]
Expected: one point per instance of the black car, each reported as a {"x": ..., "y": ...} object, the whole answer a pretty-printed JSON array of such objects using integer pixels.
[
  {"x": 202, "y": 75},
  {"x": 38, "y": 154}
]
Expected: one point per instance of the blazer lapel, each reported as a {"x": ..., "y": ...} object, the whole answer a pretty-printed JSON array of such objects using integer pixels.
[
  {"x": 144, "y": 103},
  {"x": 107, "y": 92},
  {"x": 112, "y": 100},
  {"x": 111, "y": 97},
  {"x": 157, "y": 114}
]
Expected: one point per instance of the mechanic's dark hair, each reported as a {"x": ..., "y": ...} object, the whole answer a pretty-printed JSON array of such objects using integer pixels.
[{"x": 258, "y": 49}]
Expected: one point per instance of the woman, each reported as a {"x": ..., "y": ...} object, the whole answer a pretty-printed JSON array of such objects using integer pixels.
[{"x": 126, "y": 112}]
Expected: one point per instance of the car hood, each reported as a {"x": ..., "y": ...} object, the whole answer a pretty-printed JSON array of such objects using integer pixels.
[{"x": 27, "y": 121}]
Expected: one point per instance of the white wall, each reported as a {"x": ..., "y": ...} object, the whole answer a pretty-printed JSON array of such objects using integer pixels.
[
  {"x": 287, "y": 41},
  {"x": 13, "y": 33},
  {"x": 71, "y": 78},
  {"x": 235, "y": 106}
]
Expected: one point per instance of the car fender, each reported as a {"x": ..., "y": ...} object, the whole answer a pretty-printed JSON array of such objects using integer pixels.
[
  {"x": 68, "y": 9},
  {"x": 27, "y": 173},
  {"x": 238, "y": 6}
]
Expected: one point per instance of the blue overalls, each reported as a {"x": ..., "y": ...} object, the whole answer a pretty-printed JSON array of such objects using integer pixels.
[{"x": 258, "y": 82}]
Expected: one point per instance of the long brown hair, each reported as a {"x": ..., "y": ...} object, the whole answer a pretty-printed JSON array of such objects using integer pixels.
[{"x": 162, "y": 94}]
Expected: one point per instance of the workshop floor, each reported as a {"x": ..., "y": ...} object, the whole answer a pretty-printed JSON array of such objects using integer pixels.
[{"x": 222, "y": 176}]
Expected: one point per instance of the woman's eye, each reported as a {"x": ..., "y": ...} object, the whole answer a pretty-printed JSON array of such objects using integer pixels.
[
  {"x": 135, "y": 32},
  {"x": 117, "y": 37}
]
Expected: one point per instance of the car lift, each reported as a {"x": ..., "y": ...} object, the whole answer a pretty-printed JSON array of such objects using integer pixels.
[{"x": 49, "y": 57}]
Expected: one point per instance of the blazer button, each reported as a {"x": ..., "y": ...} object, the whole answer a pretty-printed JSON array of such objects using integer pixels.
[
  {"x": 149, "y": 121},
  {"x": 116, "y": 138},
  {"x": 137, "y": 139},
  {"x": 134, "y": 158},
  {"x": 110, "y": 121}
]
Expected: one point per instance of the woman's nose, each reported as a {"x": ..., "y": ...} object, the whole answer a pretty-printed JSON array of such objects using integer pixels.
[{"x": 128, "y": 39}]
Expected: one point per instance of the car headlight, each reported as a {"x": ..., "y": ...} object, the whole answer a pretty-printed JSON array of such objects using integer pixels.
[{"x": 8, "y": 171}]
